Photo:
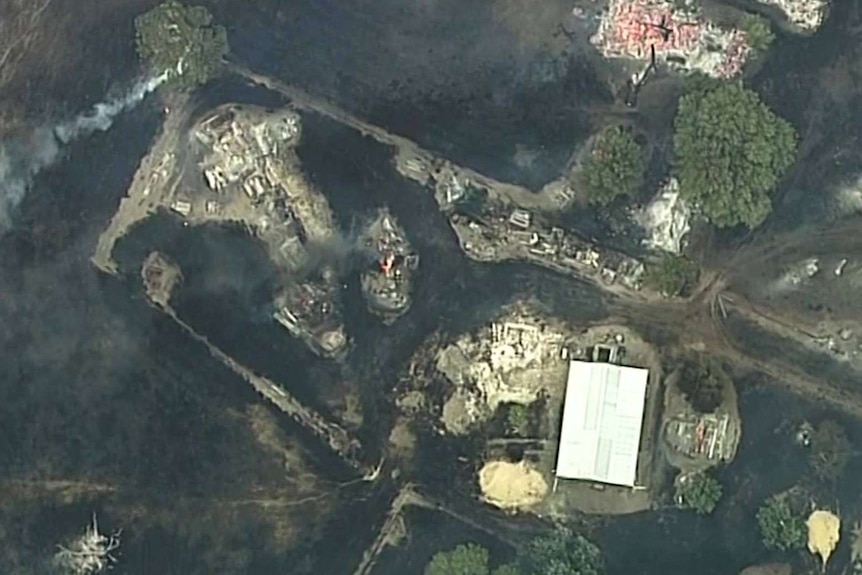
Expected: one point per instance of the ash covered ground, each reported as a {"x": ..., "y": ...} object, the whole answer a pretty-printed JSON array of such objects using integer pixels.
[{"x": 105, "y": 405}]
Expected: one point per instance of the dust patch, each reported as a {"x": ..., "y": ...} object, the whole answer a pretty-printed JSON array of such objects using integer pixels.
[
  {"x": 511, "y": 485},
  {"x": 824, "y": 532}
]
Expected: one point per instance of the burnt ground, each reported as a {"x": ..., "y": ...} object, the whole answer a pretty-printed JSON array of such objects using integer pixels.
[
  {"x": 52, "y": 55},
  {"x": 97, "y": 388}
]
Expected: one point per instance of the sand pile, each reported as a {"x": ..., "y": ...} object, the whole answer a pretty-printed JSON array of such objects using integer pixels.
[
  {"x": 824, "y": 531},
  {"x": 511, "y": 485}
]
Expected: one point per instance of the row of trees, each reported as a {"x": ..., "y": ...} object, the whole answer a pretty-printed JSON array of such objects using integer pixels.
[
  {"x": 560, "y": 553},
  {"x": 730, "y": 151}
]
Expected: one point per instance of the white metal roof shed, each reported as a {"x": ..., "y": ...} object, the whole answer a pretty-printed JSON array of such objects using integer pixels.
[{"x": 602, "y": 419}]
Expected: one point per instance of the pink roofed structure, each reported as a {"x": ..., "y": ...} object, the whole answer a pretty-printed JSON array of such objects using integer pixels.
[{"x": 631, "y": 28}]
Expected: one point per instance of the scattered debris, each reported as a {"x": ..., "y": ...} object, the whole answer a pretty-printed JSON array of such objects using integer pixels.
[
  {"x": 461, "y": 411},
  {"x": 666, "y": 219},
  {"x": 386, "y": 286},
  {"x": 634, "y": 29},
  {"x": 856, "y": 546},
  {"x": 808, "y": 15},
  {"x": 160, "y": 276},
  {"x": 510, "y": 361},
  {"x": 702, "y": 436},
  {"x": 89, "y": 554},
  {"x": 840, "y": 269}
]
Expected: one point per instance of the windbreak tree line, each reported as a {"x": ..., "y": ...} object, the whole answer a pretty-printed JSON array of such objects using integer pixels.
[{"x": 560, "y": 553}]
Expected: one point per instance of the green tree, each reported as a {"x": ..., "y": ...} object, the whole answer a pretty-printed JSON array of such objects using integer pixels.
[
  {"x": 561, "y": 553},
  {"x": 466, "y": 559},
  {"x": 700, "y": 492},
  {"x": 182, "y": 42},
  {"x": 758, "y": 31},
  {"x": 730, "y": 151},
  {"x": 830, "y": 451},
  {"x": 780, "y": 526},
  {"x": 673, "y": 275},
  {"x": 507, "y": 569},
  {"x": 614, "y": 168},
  {"x": 518, "y": 418}
]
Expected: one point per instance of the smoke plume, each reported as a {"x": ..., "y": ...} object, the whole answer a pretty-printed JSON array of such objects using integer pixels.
[{"x": 23, "y": 158}]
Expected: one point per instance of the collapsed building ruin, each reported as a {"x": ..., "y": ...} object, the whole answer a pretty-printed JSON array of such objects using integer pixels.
[
  {"x": 679, "y": 38},
  {"x": 493, "y": 229},
  {"x": 386, "y": 286},
  {"x": 807, "y": 15},
  {"x": 248, "y": 159},
  {"x": 666, "y": 219},
  {"x": 89, "y": 554}
]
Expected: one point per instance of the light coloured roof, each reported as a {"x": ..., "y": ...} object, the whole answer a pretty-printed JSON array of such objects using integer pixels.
[{"x": 602, "y": 420}]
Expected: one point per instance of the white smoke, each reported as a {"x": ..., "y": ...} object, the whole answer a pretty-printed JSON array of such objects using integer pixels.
[{"x": 23, "y": 158}]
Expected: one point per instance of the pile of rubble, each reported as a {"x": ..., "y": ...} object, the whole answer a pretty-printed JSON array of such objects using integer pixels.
[
  {"x": 386, "y": 286},
  {"x": 808, "y": 15},
  {"x": 666, "y": 219},
  {"x": 510, "y": 361},
  {"x": 633, "y": 29},
  {"x": 516, "y": 234},
  {"x": 90, "y": 554},
  {"x": 241, "y": 150}
]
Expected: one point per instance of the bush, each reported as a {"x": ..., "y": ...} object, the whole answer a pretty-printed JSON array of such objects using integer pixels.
[
  {"x": 700, "y": 492},
  {"x": 182, "y": 42},
  {"x": 561, "y": 553},
  {"x": 730, "y": 152},
  {"x": 781, "y": 527},
  {"x": 466, "y": 559},
  {"x": 758, "y": 31},
  {"x": 614, "y": 168},
  {"x": 673, "y": 276},
  {"x": 518, "y": 419},
  {"x": 702, "y": 383}
]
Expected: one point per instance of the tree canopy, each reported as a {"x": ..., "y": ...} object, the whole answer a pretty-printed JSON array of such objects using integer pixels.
[
  {"x": 830, "y": 451},
  {"x": 182, "y": 42},
  {"x": 730, "y": 152},
  {"x": 758, "y": 31},
  {"x": 561, "y": 553},
  {"x": 673, "y": 275},
  {"x": 614, "y": 168},
  {"x": 465, "y": 559},
  {"x": 700, "y": 492},
  {"x": 780, "y": 526}
]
